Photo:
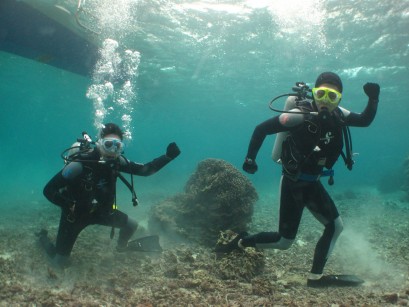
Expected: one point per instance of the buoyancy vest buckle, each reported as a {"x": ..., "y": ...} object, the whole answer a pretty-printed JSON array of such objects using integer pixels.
[{"x": 312, "y": 178}]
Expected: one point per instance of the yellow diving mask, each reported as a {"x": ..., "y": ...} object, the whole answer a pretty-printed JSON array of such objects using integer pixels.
[{"x": 326, "y": 97}]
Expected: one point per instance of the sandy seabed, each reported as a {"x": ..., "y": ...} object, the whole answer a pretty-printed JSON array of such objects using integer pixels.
[{"x": 374, "y": 246}]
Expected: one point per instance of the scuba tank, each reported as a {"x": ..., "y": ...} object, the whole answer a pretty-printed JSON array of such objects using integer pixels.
[
  {"x": 82, "y": 145},
  {"x": 290, "y": 104},
  {"x": 300, "y": 95}
]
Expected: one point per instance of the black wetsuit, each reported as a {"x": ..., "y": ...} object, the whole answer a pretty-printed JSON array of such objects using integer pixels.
[
  {"x": 85, "y": 191},
  {"x": 315, "y": 143}
]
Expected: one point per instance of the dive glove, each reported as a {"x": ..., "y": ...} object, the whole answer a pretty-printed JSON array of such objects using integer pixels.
[
  {"x": 372, "y": 90},
  {"x": 172, "y": 151},
  {"x": 250, "y": 166}
]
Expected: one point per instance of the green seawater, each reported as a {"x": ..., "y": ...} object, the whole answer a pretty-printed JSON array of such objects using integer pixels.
[{"x": 207, "y": 72}]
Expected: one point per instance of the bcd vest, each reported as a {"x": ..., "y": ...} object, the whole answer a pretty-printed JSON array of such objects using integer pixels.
[{"x": 313, "y": 145}]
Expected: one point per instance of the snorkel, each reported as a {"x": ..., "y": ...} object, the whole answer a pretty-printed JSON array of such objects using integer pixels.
[{"x": 300, "y": 92}]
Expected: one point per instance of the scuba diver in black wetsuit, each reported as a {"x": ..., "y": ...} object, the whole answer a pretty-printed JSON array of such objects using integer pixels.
[
  {"x": 313, "y": 141},
  {"x": 85, "y": 189}
]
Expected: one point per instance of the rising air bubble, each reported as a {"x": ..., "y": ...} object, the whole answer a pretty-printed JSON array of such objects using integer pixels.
[{"x": 113, "y": 91}]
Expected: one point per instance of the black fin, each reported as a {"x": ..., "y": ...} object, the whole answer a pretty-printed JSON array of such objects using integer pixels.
[
  {"x": 335, "y": 281},
  {"x": 145, "y": 244}
]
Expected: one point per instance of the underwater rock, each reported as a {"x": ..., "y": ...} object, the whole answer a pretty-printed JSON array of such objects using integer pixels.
[{"x": 217, "y": 197}]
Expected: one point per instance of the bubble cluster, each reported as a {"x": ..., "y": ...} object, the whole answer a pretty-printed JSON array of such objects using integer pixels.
[{"x": 112, "y": 90}]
